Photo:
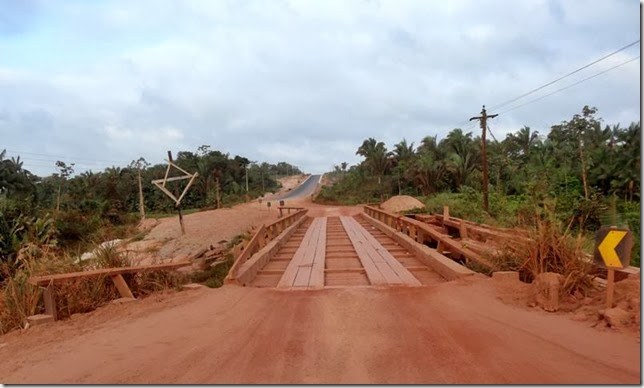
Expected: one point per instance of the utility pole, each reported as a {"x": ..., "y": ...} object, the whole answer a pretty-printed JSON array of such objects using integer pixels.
[
  {"x": 483, "y": 119},
  {"x": 246, "y": 167},
  {"x": 141, "y": 205}
]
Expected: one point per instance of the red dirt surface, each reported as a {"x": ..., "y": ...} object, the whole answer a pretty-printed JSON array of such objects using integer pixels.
[{"x": 455, "y": 332}]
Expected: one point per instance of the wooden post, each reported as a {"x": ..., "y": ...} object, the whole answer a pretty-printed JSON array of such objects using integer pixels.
[
  {"x": 610, "y": 287},
  {"x": 262, "y": 240},
  {"x": 178, "y": 206},
  {"x": 280, "y": 211},
  {"x": 439, "y": 247},
  {"x": 141, "y": 204},
  {"x": 445, "y": 213},
  {"x": 237, "y": 250},
  {"x": 217, "y": 193},
  {"x": 121, "y": 286},
  {"x": 50, "y": 301},
  {"x": 483, "y": 119},
  {"x": 183, "y": 228},
  {"x": 463, "y": 229}
]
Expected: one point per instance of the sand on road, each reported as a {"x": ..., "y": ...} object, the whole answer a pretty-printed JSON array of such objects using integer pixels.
[{"x": 455, "y": 332}]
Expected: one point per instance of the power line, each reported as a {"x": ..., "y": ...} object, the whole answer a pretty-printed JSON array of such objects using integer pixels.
[
  {"x": 53, "y": 161},
  {"x": 565, "y": 76},
  {"x": 571, "y": 85},
  {"x": 491, "y": 134},
  {"x": 67, "y": 157}
]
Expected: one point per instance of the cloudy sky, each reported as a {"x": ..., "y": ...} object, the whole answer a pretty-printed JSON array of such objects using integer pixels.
[{"x": 104, "y": 82}]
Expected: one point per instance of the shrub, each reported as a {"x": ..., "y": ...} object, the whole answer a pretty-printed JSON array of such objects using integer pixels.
[
  {"x": 213, "y": 277},
  {"x": 550, "y": 249}
]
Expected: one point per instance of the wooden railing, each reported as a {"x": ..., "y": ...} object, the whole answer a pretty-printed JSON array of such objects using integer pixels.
[
  {"x": 48, "y": 282},
  {"x": 421, "y": 232},
  {"x": 264, "y": 235},
  {"x": 288, "y": 209}
]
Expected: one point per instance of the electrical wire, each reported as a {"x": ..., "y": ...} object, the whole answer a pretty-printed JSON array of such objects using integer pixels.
[
  {"x": 491, "y": 134},
  {"x": 570, "y": 86},
  {"x": 66, "y": 157},
  {"x": 565, "y": 76}
]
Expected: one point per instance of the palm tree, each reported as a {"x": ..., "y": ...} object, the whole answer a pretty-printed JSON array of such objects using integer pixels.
[
  {"x": 377, "y": 158},
  {"x": 428, "y": 170},
  {"x": 462, "y": 155},
  {"x": 403, "y": 155}
]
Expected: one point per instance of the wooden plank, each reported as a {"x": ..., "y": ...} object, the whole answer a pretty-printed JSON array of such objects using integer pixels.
[
  {"x": 446, "y": 267},
  {"x": 250, "y": 269},
  {"x": 50, "y": 301},
  {"x": 344, "y": 270},
  {"x": 121, "y": 286},
  {"x": 303, "y": 276},
  {"x": 373, "y": 273},
  {"x": 386, "y": 258},
  {"x": 317, "y": 271},
  {"x": 59, "y": 278},
  {"x": 288, "y": 279},
  {"x": 176, "y": 178},
  {"x": 446, "y": 243}
]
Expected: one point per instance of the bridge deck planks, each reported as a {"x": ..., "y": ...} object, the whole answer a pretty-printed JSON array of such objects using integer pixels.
[
  {"x": 381, "y": 267},
  {"x": 306, "y": 269}
]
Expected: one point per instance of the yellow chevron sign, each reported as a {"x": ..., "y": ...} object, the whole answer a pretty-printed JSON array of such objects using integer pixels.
[{"x": 613, "y": 247}]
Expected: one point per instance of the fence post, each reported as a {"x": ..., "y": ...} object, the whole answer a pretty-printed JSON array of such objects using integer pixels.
[
  {"x": 445, "y": 213},
  {"x": 50, "y": 301}
]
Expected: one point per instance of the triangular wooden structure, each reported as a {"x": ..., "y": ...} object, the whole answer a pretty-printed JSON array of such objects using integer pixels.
[{"x": 160, "y": 183}]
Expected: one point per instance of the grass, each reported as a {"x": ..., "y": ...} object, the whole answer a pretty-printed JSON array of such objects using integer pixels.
[
  {"x": 552, "y": 248},
  {"x": 19, "y": 299},
  {"x": 213, "y": 277},
  {"x": 157, "y": 215}
]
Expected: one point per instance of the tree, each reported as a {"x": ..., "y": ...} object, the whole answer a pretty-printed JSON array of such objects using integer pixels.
[
  {"x": 462, "y": 155},
  {"x": 140, "y": 164},
  {"x": 14, "y": 180},
  {"x": 403, "y": 156},
  {"x": 376, "y": 157},
  {"x": 64, "y": 171}
]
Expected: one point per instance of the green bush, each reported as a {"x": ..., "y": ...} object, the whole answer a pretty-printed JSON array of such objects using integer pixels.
[
  {"x": 213, "y": 277},
  {"x": 629, "y": 212}
]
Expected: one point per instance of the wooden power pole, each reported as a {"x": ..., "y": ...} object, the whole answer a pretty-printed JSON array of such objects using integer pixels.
[
  {"x": 141, "y": 204},
  {"x": 483, "y": 119}
]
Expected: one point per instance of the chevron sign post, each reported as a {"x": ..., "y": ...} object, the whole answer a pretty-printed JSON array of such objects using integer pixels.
[{"x": 613, "y": 251}]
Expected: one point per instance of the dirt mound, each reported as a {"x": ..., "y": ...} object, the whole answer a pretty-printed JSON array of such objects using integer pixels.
[{"x": 401, "y": 203}]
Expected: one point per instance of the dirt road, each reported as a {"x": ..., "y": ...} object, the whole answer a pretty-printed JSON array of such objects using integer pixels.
[{"x": 455, "y": 332}]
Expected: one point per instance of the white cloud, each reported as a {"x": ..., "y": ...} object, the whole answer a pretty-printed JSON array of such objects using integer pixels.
[{"x": 306, "y": 81}]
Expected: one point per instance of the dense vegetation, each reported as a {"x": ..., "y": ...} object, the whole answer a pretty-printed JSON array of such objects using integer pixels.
[
  {"x": 63, "y": 211},
  {"x": 586, "y": 173}
]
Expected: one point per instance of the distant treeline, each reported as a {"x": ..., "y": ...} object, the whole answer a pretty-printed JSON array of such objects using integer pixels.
[{"x": 67, "y": 207}]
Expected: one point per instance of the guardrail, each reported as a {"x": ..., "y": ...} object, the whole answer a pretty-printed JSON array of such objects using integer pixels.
[
  {"x": 264, "y": 235},
  {"x": 50, "y": 281},
  {"x": 288, "y": 208},
  {"x": 421, "y": 232}
]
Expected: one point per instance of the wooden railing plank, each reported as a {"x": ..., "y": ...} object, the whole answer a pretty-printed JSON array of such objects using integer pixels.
[
  {"x": 261, "y": 238},
  {"x": 445, "y": 242},
  {"x": 63, "y": 277}
]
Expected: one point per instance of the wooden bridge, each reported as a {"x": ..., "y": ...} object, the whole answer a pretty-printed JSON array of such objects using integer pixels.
[{"x": 373, "y": 248}]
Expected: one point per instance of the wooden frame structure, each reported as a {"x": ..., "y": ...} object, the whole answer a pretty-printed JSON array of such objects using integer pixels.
[
  {"x": 288, "y": 209},
  {"x": 261, "y": 247},
  {"x": 48, "y": 282},
  {"x": 421, "y": 232},
  {"x": 160, "y": 183}
]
